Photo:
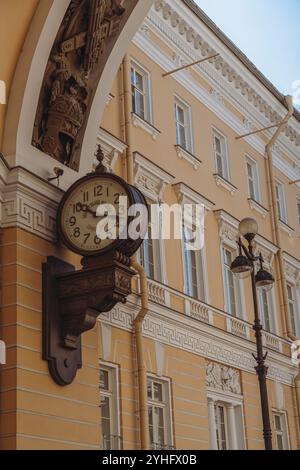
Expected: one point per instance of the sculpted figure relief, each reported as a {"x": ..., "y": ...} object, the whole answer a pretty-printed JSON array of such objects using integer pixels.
[
  {"x": 71, "y": 76},
  {"x": 223, "y": 378}
]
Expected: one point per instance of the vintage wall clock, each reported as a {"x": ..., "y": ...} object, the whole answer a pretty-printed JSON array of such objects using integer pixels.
[
  {"x": 73, "y": 299},
  {"x": 77, "y": 214}
]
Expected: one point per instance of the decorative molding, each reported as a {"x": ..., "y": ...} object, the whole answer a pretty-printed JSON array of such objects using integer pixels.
[
  {"x": 221, "y": 182},
  {"x": 223, "y": 378},
  {"x": 31, "y": 204},
  {"x": 77, "y": 59},
  {"x": 292, "y": 269},
  {"x": 217, "y": 96},
  {"x": 137, "y": 121},
  {"x": 255, "y": 206},
  {"x": 229, "y": 233},
  {"x": 197, "y": 37},
  {"x": 183, "y": 154},
  {"x": 186, "y": 195},
  {"x": 150, "y": 178},
  {"x": 286, "y": 228},
  {"x": 185, "y": 333},
  {"x": 186, "y": 48},
  {"x": 112, "y": 148}
]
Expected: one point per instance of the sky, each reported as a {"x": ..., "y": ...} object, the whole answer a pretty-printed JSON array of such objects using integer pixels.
[{"x": 268, "y": 32}]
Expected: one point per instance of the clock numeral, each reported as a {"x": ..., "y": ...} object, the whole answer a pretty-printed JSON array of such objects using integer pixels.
[
  {"x": 98, "y": 191},
  {"x": 77, "y": 207},
  {"x": 72, "y": 221},
  {"x": 77, "y": 232},
  {"x": 117, "y": 198},
  {"x": 86, "y": 237},
  {"x": 86, "y": 196},
  {"x": 97, "y": 240}
]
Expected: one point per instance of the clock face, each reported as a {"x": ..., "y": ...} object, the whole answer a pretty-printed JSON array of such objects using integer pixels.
[{"x": 78, "y": 218}]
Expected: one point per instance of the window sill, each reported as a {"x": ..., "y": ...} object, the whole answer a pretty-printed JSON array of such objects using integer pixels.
[
  {"x": 221, "y": 182},
  {"x": 257, "y": 207},
  {"x": 184, "y": 154},
  {"x": 286, "y": 228},
  {"x": 137, "y": 121}
]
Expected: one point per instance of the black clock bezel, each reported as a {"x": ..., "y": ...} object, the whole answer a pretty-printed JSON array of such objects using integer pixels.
[{"x": 126, "y": 246}]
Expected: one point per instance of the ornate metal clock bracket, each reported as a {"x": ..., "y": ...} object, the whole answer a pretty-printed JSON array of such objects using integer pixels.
[{"x": 72, "y": 302}]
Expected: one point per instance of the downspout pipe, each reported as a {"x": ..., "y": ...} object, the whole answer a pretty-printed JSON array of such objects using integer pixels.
[
  {"x": 138, "y": 322},
  {"x": 275, "y": 217}
]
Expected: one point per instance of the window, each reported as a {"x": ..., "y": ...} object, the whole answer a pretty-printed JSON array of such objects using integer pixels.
[
  {"x": 281, "y": 431},
  {"x": 151, "y": 255},
  {"x": 221, "y": 155},
  {"x": 265, "y": 310},
  {"x": 221, "y": 427},
  {"x": 159, "y": 414},
  {"x": 230, "y": 283},
  {"x": 253, "y": 179},
  {"x": 109, "y": 408},
  {"x": 140, "y": 89},
  {"x": 193, "y": 263},
  {"x": 292, "y": 308},
  {"x": 147, "y": 255},
  {"x": 183, "y": 125},
  {"x": 281, "y": 205},
  {"x": 226, "y": 424}
]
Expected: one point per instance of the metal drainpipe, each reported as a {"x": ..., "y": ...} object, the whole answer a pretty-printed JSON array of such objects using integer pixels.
[
  {"x": 275, "y": 216},
  {"x": 138, "y": 322}
]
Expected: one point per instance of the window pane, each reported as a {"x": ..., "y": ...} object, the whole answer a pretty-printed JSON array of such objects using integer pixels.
[
  {"x": 278, "y": 423},
  {"x": 180, "y": 115},
  {"x": 221, "y": 427},
  {"x": 105, "y": 407},
  {"x": 280, "y": 445},
  {"x": 265, "y": 310},
  {"x": 104, "y": 380},
  {"x": 139, "y": 81},
  {"x": 139, "y": 107},
  {"x": 158, "y": 393},
  {"x": 218, "y": 145},
  {"x": 220, "y": 169},
  {"x": 149, "y": 389}
]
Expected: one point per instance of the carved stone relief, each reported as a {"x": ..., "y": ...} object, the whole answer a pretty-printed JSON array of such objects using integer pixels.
[
  {"x": 83, "y": 44},
  {"x": 224, "y": 378}
]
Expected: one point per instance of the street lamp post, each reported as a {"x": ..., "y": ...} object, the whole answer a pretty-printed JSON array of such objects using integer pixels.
[{"x": 243, "y": 266}]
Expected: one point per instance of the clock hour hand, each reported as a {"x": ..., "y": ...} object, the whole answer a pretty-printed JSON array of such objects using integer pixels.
[{"x": 85, "y": 208}]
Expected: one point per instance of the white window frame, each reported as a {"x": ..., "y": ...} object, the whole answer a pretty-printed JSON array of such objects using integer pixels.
[
  {"x": 271, "y": 310},
  {"x": 285, "y": 429},
  {"x": 114, "y": 395},
  {"x": 202, "y": 288},
  {"x": 224, "y": 155},
  {"x": 187, "y": 125},
  {"x": 240, "y": 306},
  {"x": 158, "y": 255},
  {"x": 166, "y": 404},
  {"x": 227, "y": 400},
  {"x": 281, "y": 202},
  {"x": 148, "y": 114},
  {"x": 255, "y": 179},
  {"x": 296, "y": 307}
]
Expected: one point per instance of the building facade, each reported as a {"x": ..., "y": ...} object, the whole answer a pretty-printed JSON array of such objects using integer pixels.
[{"x": 181, "y": 132}]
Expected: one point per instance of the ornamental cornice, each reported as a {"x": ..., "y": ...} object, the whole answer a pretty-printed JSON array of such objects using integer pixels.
[
  {"x": 185, "y": 333},
  {"x": 150, "y": 178},
  {"x": 228, "y": 68}
]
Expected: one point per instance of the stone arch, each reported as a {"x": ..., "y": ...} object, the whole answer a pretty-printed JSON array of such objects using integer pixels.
[{"x": 28, "y": 80}]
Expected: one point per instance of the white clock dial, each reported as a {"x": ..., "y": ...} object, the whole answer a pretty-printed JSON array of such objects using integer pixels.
[{"x": 78, "y": 216}]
